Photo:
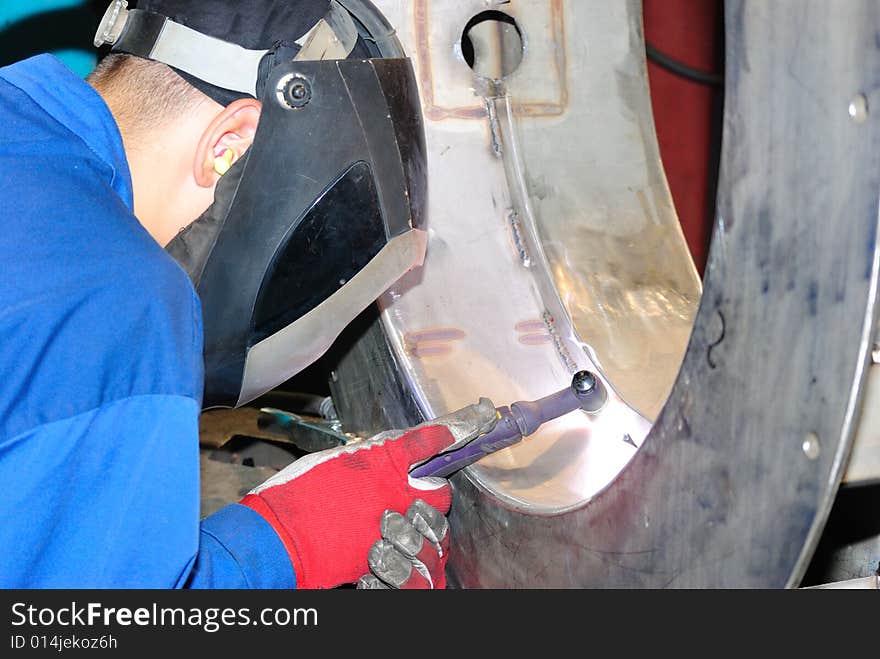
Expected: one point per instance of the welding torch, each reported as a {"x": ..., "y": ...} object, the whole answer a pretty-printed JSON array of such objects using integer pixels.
[{"x": 519, "y": 420}]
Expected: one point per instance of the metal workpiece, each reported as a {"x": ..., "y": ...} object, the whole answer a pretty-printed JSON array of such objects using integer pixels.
[
  {"x": 723, "y": 493},
  {"x": 485, "y": 317},
  {"x": 554, "y": 247},
  {"x": 546, "y": 200}
]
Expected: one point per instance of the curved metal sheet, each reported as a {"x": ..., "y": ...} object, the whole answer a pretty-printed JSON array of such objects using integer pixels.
[
  {"x": 553, "y": 240},
  {"x": 735, "y": 480},
  {"x": 733, "y": 484}
]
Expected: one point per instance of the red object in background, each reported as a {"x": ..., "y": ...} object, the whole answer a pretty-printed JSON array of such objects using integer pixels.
[{"x": 688, "y": 31}]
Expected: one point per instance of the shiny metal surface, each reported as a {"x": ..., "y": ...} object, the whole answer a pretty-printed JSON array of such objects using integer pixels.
[
  {"x": 723, "y": 492},
  {"x": 590, "y": 184},
  {"x": 567, "y": 255}
]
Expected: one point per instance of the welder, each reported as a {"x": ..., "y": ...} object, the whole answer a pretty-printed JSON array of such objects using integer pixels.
[{"x": 187, "y": 228}]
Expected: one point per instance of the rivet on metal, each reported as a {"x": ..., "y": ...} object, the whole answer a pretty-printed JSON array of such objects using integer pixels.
[
  {"x": 811, "y": 446},
  {"x": 858, "y": 108}
]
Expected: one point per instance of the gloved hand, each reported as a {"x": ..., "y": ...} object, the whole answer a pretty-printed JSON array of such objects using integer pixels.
[
  {"x": 327, "y": 507},
  {"x": 413, "y": 550}
]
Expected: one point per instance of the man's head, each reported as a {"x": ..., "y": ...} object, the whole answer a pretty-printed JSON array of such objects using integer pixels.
[
  {"x": 180, "y": 133},
  {"x": 322, "y": 211},
  {"x": 173, "y": 135}
]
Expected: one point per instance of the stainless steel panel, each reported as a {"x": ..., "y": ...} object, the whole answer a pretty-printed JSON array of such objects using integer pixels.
[{"x": 553, "y": 244}]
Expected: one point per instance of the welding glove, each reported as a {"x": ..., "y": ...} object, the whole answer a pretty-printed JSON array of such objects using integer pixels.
[
  {"x": 413, "y": 551},
  {"x": 327, "y": 507}
]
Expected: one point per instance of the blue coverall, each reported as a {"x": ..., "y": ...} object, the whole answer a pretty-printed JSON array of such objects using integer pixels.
[{"x": 100, "y": 368}]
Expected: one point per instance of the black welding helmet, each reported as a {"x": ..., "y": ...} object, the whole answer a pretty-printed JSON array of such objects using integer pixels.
[{"x": 324, "y": 211}]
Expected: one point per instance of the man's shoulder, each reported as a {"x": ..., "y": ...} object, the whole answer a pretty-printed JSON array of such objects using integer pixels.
[
  {"x": 23, "y": 118},
  {"x": 94, "y": 311},
  {"x": 54, "y": 122},
  {"x": 67, "y": 223}
]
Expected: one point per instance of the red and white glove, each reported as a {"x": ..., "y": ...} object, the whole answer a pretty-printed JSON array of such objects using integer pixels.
[{"x": 328, "y": 507}]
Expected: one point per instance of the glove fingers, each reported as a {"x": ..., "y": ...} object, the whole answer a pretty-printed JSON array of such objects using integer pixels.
[
  {"x": 394, "y": 568},
  {"x": 428, "y": 521},
  {"x": 419, "y": 550},
  {"x": 425, "y": 545},
  {"x": 433, "y": 525},
  {"x": 397, "y": 530}
]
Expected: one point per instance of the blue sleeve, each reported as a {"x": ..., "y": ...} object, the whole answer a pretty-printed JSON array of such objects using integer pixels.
[
  {"x": 101, "y": 358},
  {"x": 110, "y": 498},
  {"x": 239, "y": 549}
]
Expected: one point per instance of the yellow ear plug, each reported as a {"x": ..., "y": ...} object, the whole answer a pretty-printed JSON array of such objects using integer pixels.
[{"x": 224, "y": 162}]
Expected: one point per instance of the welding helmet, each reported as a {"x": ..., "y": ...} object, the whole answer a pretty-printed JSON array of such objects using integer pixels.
[{"x": 324, "y": 212}]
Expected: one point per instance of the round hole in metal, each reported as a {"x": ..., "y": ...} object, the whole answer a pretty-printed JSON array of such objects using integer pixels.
[{"x": 492, "y": 44}]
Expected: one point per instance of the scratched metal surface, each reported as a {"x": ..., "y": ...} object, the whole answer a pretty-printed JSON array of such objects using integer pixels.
[{"x": 734, "y": 482}]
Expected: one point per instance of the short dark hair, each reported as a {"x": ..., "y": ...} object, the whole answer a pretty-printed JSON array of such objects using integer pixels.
[{"x": 144, "y": 94}]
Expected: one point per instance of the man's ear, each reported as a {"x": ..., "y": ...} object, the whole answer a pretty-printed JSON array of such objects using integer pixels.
[{"x": 225, "y": 140}]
